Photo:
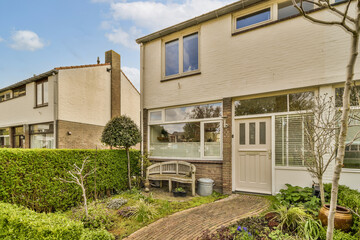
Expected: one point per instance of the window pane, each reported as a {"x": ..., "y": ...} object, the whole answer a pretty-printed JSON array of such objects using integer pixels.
[
  {"x": 46, "y": 96},
  {"x": 42, "y": 128},
  {"x": 20, "y": 91},
  {"x": 191, "y": 52},
  {"x": 4, "y": 137},
  {"x": 42, "y": 141},
  {"x": 172, "y": 58},
  {"x": 155, "y": 116},
  {"x": 254, "y": 18},
  {"x": 39, "y": 100},
  {"x": 242, "y": 133},
  {"x": 252, "y": 133},
  {"x": 262, "y": 133},
  {"x": 286, "y": 9},
  {"x": 212, "y": 139},
  {"x": 175, "y": 140},
  {"x": 352, "y": 153},
  {"x": 194, "y": 112},
  {"x": 339, "y": 92},
  {"x": 261, "y": 105},
  {"x": 301, "y": 101}
]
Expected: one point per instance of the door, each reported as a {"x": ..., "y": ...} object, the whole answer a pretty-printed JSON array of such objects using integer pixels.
[{"x": 253, "y": 155}]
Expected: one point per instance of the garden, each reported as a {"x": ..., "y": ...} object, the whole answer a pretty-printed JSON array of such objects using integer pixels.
[{"x": 294, "y": 214}]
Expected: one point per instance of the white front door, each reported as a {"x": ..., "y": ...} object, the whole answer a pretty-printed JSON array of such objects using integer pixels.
[{"x": 253, "y": 155}]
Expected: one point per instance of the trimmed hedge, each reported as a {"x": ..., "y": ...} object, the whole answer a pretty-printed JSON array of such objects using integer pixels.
[
  {"x": 21, "y": 223},
  {"x": 29, "y": 177}
]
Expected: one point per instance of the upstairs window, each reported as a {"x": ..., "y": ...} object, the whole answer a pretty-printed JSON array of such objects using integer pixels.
[
  {"x": 42, "y": 97},
  {"x": 20, "y": 91},
  {"x": 5, "y": 96},
  {"x": 253, "y": 18},
  {"x": 182, "y": 55},
  {"x": 286, "y": 9}
]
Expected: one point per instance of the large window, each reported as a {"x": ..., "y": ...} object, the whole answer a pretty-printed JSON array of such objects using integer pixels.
[
  {"x": 18, "y": 137},
  {"x": 191, "y": 132},
  {"x": 42, "y": 136},
  {"x": 253, "y": 18},
  {"x": 281, "y": 103},
  {"x": 354, "y": 96},
  {"x": 42, "y": 97},
  {"x": 20, "y": 91},
  {"x": 352, "y": 151},
  {"x": 4, "y": 137},
  {"x": 5, "y": 96},
  {"x": 176, "y": 63}
]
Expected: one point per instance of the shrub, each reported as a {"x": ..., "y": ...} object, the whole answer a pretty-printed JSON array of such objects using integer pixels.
[
  {"x": 21, "y": 223},
  {"x": 96, "y": 235},
  {"x": 116, "y": 203},
  {"x": 28, "y": 177},
  {"x": 144, "y": 211}
]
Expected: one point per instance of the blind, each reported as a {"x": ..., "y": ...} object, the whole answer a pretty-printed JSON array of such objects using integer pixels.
[{"x": 289, "y": 140}]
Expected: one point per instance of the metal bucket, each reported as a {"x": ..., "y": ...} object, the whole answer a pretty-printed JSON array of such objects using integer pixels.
[{"x": 205, "y": 186}]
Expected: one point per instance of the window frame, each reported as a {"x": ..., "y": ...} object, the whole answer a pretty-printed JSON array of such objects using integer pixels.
[
  {"x": 52, "y": 131},
  {"x": 43, "y": 104},
  {"x": 180, "y": 37},
  {"x": 202, "y": 143}
]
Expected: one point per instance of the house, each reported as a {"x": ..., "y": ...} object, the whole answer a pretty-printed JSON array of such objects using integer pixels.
[
  {"x": 220, "y": 91},
  {"x": 66, "y": 107}
]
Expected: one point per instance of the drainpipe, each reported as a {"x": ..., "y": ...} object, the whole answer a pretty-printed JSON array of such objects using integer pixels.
[
  {"x": 142, "y": 55},
  {"x": 56, "y": 108}
]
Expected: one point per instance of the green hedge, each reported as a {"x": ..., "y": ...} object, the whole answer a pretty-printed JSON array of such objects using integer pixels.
[
  {"x": 29, "y": 177},
  {"x": 21, "y": 223}
]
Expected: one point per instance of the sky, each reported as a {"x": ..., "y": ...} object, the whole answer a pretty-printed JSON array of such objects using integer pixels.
[{"x": 39, "y": 35}]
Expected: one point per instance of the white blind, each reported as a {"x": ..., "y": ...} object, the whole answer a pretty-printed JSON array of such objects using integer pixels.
[{"x": 289, "y": 140}]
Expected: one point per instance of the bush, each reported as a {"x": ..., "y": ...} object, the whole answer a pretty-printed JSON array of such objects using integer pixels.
[
  {"x": 116, "y": 203},
  {"x": 96, "y": 235},
  {"x": 21, "y": 223},
  {"x": 28, "y": 177}
]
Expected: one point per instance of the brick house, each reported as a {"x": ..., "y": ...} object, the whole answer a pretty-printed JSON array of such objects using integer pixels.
[
  {"x": 219, "y": 91},
  {"x": 66, "y": 107}
]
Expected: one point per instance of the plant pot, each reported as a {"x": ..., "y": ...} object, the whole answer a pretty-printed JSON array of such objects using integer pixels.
[
  {"x": 179, "y": 194},
  {"x": 343, "y": 217}
]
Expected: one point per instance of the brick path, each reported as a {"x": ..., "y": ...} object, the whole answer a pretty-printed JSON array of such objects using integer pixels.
[{"x": 190, "y": 224}]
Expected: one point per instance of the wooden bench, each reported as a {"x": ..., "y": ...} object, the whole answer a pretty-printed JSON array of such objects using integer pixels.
[{"x": 173, "y": 171}]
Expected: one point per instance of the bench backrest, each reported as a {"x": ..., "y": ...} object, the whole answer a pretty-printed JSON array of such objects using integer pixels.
[{"x": 172, "y": 167}]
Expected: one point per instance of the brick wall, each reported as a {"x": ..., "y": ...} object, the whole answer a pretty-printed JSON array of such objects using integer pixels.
[
  {"x": 227, "y": 148},
  {"x": 83, "y": 136}
]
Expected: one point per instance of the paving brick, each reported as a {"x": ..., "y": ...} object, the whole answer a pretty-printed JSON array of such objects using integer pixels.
[{"x": 191, "y": 223}]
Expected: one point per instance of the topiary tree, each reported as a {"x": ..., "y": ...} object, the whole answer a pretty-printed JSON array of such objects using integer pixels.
[{"x": 121, "y": 132}]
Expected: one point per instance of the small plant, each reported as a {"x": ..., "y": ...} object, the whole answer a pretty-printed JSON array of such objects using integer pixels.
[
  {"x": 116, "y": 203},
  {"x": 179, "y": 189},
  {"x": 144, "y": 211},
  {"x": 126, "y": 212},
  {"x": 242, "y": 233}
]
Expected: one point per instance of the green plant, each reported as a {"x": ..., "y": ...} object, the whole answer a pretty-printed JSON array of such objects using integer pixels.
[
  {"x": 242, "y": 233},
  {"x": 144, "y": 211},
  {"x": 99, "y": 216},
  {"x": 99, "y": 234},
  {"x": 28, "y": 177},
  {"x": 116, "y": 203},
  {"x": 279, "y": 235},
  {"x": 179, "y": 189},
  {"x": 313, "y": 229},
  {"x": 122, "y": 132},
  {"x": 21, "y": 223},
  {"x": 292, "y": 219},
  {"x": 339, "y": 235}
]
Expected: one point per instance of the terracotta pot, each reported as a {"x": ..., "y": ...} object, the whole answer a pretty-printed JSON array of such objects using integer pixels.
[{"x": 343, "y": 217}]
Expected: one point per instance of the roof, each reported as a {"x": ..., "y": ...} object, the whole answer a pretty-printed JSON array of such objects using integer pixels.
[
  {"x": 200, "y": 19},
  {"x": 29, "y": 80},
  {"x": 82, "y": 66}
]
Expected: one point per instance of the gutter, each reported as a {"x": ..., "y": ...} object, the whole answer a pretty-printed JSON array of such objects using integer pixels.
[
  {"x": 200, "y": 19},
  {"x": 30, "y": 80}
]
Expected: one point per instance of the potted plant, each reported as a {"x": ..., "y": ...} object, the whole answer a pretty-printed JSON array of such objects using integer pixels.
[{"x": 179, "y": 192}]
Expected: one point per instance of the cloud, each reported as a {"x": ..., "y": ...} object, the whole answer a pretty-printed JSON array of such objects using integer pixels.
[
  {"x": 26, "y": 40},
  {"x": 1, "y": 39},
  {"x": 126, "y": 38},
  {"x": 134, "y": 75},
  {"x": 157, "y": 15}
]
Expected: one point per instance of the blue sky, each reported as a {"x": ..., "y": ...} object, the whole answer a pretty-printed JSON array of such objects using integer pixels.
[{"x": 38, "y": 35}]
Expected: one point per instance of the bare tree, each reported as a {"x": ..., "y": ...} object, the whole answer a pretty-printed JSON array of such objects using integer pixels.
[
  {"x": 320, "y": 129},
  {"x": 78, "y": 177},
  {"x": 351, "y": 25}
]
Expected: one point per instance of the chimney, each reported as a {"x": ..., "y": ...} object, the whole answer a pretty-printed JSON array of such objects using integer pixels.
[
  {"x": 114, "y": 59},
  {"x": 98, "y": 60}
]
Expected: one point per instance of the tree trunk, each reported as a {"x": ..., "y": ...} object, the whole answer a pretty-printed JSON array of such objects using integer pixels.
[
  {"x": 85, "y": 199},
  {"x": 343, "y": 128},
  {"x": 129, "y": 175},
  {"x": 322, "y": 195}
]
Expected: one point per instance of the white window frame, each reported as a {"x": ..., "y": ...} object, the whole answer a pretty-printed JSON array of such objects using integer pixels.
[
  {"x": 202, "y": 122},
  {"x": 180, "y": 38}
]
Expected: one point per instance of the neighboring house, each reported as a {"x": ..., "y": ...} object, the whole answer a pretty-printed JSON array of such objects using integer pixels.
[
  {"x": 66, "y": 107},
  {"x": 221, "y": 90}
]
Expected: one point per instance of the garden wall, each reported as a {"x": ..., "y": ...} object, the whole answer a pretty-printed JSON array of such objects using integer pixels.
[{"x": 29, "y": 177}]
